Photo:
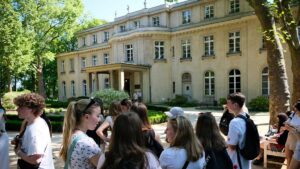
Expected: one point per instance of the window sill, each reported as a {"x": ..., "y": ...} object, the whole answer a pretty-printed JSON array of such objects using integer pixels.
[
  {"x": 62, "y": 73},
  {"x": 262, "y": 50},
  {"x": 131, "y": 61},
  {"x": 162, "y": 60},
  {"x": 234, "y": 54},
  {"x": 208, "y": 18},
  {"x": 71, "y": 71},
  {"x": 186, "y": 59},
  {"x": 83, "y": 70},
  {"x": 208, "y": 57}
]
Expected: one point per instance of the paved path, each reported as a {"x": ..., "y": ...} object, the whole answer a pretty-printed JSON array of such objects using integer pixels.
[{"x": 261, "y": 119}]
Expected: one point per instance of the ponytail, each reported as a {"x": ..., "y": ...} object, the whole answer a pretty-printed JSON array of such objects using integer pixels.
[{"x": 68, "y": 128}]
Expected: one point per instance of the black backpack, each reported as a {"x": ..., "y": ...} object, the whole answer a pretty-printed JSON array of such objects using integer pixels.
[
  {"x": 154, "y": 146},
  {"x": 252, "y": 143},
  {"x": 224, "y": 122},
  {"x": 217, "y": 159}
]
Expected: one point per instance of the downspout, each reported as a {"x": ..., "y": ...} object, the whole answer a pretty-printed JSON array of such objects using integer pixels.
[{"x": 150, "y": 97}]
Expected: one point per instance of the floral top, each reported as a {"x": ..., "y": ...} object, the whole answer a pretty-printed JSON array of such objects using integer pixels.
[{"x": 84, "y": 149}]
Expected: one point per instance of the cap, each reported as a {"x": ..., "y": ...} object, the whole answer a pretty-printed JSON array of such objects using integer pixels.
[{"x": 174, "y": 112}]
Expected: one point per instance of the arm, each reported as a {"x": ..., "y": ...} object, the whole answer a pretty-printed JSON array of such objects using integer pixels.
[
  {"x": 94, "y": 160},
  {"x": 100, "y": 130},
  {"x": 32, "y": 159}
]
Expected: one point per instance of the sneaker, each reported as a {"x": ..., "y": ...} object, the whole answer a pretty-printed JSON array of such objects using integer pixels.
[{"x": 257, "y": 161}]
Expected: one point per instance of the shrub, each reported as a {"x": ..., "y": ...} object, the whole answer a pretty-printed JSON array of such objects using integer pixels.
[
  {"x": 157, "y": 108},
  {"x": 56, "y": 104},
  {"x": 110, "y": 95},
  {"x": 8, "y": 99},
  {"x": 178, "y": 101},
  {"x": 156, "y": 117},
  {"x": 259, "y": 103},
  {"x": 222, "y": 101}
]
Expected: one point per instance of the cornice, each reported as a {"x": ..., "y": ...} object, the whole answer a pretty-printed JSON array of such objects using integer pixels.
[{"x": 84, "y": 50}]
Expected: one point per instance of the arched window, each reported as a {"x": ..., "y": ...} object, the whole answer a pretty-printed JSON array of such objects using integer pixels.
[
  {"x": 73, "y": 88},
  {"x": 265, "y": 89},
  {"x": 234, "y": 81},
  {"x": 84, "y": 90},
  {"x": 209, "y": 83},
  {"x": 64, "y": 91}
]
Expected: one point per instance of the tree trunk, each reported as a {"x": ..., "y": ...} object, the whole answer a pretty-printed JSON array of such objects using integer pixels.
[
  {"x": 41, "y": 86},
  {"x": 9, "y": 86},
  {"x": 295, "y": 57},
  {"x": 279, "y": 89}
]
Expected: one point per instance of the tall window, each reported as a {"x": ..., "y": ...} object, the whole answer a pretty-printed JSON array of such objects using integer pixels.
[
  {"x": 94, "y": 60},
  {"x": 155, "y": 21},
  {"x": 209, "y": 45},
  {"x": 84, "y": 88},
  {"x": 234, "y": 6},
  {"x": 73, "y": 88},
  {"x": 234, "y": 42},
  {"x": 106, "y": 36},
  {"x": 72, "y": 65},
  {"x": 83, "y": 63},
  {"x": 265, "y": 90},
  {"x": 106, "y": 58},
  {"x": 64, "y": 91},
  {"x": 209, "y": 11},
  {"x": 186, "y": 16},
  {"x": 186, "y": 49},
  {"x": 83, "y": 41},
  {"x": 94, "y": 85},
  {"x": 234, "y": 81},
  {"x": 62, "y": 66},
  {"x": 129, "y": 53},
  {"x": 106, "y": 83},
  {"x": 209, "y": 83},
  {"x": 122, "y": 28},
  {"x": 159, "y": 49},
  {"x": 94, "y": 38}
]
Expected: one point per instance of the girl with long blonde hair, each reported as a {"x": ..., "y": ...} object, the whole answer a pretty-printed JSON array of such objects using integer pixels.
[{"x": 79, "y": 150}]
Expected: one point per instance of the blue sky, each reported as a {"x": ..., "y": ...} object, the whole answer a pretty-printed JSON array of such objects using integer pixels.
[{"x": 105, "y": 9}]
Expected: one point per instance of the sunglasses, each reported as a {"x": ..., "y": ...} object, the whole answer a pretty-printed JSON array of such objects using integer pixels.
[{"x": 92, "y": 101}]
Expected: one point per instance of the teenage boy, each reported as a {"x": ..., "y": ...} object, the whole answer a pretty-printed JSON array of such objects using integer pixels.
[{"x": 237, "y": 130}]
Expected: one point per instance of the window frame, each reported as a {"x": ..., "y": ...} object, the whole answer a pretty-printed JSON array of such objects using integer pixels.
[
  {"x": 159, "y": 49},
  {"x": 186, "y": 49},
  {"x": 73, "y": 94},
  {"x": 94, "y": 60},
  {"x": 234, "y": 39},
  {"x": 83, "y": 63},
  {"x": 186, "y": 16},
  {"x": 265, "y": 75},
  {"x": 236, "y": 75},
  {"x": 209, "y": 48},
  {"x": 155, "y": 21},
  {"x": 129, "y": 52},
  {"x": 105, "y": 58},
  {"x": 210, "y": 76},
  {"x": 209, "y": 11},
  {"x": 84, "y": 88},
  {"x": 234, "y": 6}
]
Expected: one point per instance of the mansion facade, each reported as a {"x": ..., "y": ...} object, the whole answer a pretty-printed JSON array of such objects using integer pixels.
[{"x": 201, "y": 49}]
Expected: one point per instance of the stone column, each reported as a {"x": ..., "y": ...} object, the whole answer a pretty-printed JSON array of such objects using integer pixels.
[{"x": 121, "y": 79}]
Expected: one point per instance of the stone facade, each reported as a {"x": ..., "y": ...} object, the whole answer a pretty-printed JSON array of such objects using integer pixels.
[{"x": 202, "y": 49}]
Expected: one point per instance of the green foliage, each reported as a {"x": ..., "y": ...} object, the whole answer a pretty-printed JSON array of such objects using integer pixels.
[
  {"x": 110, "y": 95},
  {"x": 260, "y": 103},
  {"x": 157, "y": 108},
  {"x": 182, "y": 101},
  {"x": 156, "y": 117},
  {"x": 56, "y": 104},
  {"x": 8, "y": 99},
  {"x": 222, "y": 101}
]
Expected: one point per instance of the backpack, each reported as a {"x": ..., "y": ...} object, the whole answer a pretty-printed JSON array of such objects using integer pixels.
[
  {"x": 217, "y": 159},
  {"x": 153, "y": 145},
  {"x": 252, "y": 143},
  {"x": 224, "y": 122}
]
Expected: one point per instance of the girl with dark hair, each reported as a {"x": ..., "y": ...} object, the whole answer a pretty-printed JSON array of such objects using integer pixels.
[
  {"x": 125, "y": 105},
  {"x": 207, "y": 131},
  {"x": 152, "y": 141},
  {"x": 34, "y": 147},
  {"x": 4, "y": 143},
  {"x": 185, "y": 149},
  {"x": 79, "y": 151},
  {"x": 126, "y": 148}
]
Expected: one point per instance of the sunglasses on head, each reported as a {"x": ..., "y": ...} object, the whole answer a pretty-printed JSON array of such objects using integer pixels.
[{"x": 92, "y": 101}]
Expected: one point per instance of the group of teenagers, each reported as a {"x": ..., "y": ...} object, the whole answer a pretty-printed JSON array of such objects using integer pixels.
[{"x": 133, "y": 144}]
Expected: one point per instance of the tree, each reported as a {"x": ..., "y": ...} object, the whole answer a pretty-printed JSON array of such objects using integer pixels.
[
  {"x": 279, "y": 89},
  {"x": 15, "y": 50},
  {"x": 46, "y": 21}
]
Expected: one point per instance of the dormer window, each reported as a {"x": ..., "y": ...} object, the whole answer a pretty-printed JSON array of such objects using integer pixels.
[
  {"x": 94, "y": 38},
  {"x": 155, "y": 21},
  {"x": 106, "y": 36},
  {"x": 83, "y": 41},
  {"x": 234, "y": 6},
  {"x": 137, "y": 24},
  {"x": 186, "y": 17},
  {"x": 122, "y": 28},
  {"x": 209, "y": 11}
]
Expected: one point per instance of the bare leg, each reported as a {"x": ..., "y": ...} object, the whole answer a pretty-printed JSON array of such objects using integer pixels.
[
  {"x": 289, "y": 154},
  {"x": 294, "y": 164}
]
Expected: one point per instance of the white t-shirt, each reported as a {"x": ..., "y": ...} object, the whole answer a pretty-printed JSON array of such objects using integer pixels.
[
  {"x": 110, "y": 121},
  {"x": 84, "y": 149},
  {"x": 174, "y": 158},
  {"x": 236, "y": 136},
  {"x": 294, "y": 120},
  {"x": 37, "y": 140},
  {"x": 152, "y": 162}
]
